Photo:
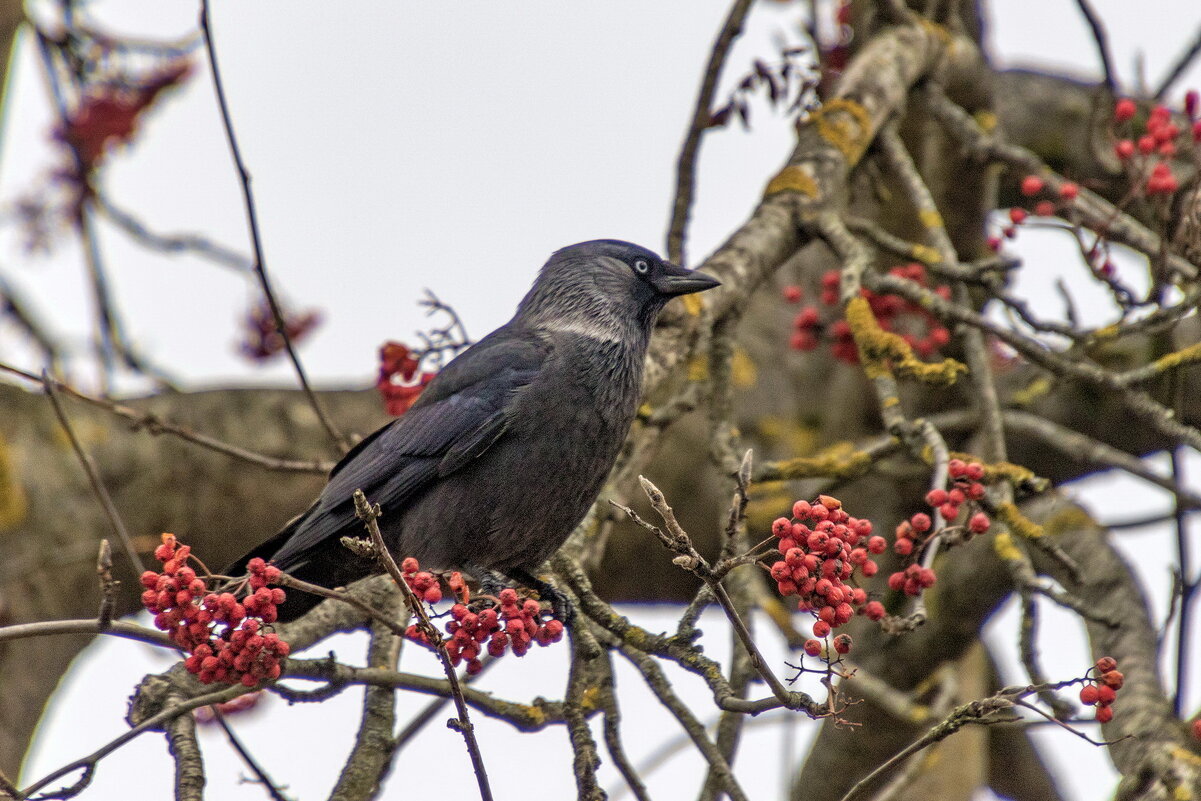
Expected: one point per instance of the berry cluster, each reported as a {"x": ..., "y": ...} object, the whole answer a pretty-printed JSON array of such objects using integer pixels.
[
  {"x": 1147, "y": 155},
  {"x": 966, "y": 490},
  {"x": 916, "y": 326},
  {"x": 239, "y": 652},
  {"x": 822, "y": 547},
  {"x": 1102, "y": 688},
  {"x": 108, "y": 113},
  {"x": 515, "y": 627},
  {"x": 261, "y": 339},
  {"x": 423, "y": 584},
  {"x": 400, "y": 380},
  {"x": 1033, "y": 186}
]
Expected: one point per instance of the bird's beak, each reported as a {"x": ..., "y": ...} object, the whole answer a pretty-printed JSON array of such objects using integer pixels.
[{"x": 675, "y": 280}]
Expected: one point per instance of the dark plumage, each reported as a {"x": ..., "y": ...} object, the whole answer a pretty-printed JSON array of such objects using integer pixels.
[{"x": 508, "y": 446}]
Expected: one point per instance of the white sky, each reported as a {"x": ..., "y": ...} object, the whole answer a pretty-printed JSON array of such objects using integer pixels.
[{"x": 405, "y": 145}]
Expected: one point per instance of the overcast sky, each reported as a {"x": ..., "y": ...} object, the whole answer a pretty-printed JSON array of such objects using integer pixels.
[{"x": 399, "y": 145}]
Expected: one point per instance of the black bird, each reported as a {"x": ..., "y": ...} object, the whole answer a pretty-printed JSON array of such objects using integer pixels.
[{"x": 509, "y": 445}]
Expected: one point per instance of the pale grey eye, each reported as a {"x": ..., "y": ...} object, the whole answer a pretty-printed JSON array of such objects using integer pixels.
[{"x": 641, "y": 267}]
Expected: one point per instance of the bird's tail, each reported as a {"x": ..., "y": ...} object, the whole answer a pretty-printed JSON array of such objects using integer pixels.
[{"x": 328, "y": 565}]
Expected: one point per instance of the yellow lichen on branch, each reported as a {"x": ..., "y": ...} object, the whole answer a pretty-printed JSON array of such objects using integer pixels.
[
  {"x": 1018, "y": 523},
  {"x": 878, "y": 349},
  {"x": 1005, "y": 548},
  {"x": 846, "y": 125},
  {"x": 1015, "y": 474},
  {"x": 1178, "y": 358},
  {"x": 793, "y": 178},
  {"x": 839, "y": 460},
  {"x": 14, "y": 504}
]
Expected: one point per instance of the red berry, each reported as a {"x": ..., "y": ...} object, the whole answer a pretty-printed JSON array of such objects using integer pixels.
[
  {"x": 979, "y": 523},
  {"x": 1106, "y": 694},
  {"x": 1104, "y": 714},
  {"x": 1124, "y": 109},
  {"x": 1032, "y": 185},
  {"x": 936, "y": 497},
  {"x": 1088, "y": 694},
  {"x": 1068, "y": 190},
  {"x": 792, "y": 294},
  {"x": 974, "y": 471},
  {"x": 956, "y": 468},
  {"x": 920, "y": 522},
  {"x": 410, "y": 565},
  {"x": 842, "y": 643},
  {"x": 1124, "y": 149},
  {"x": 1197, "y": 728},
  {"x": 820, "y": 628},
  {"x": 1044, "y": 208},
  {"x": 1017, "y": 215},
  {"x": 1114, "y": 679},
  {"x": 1106, "y": 664},
  {"x": 903, "y": 547},
  {"x": 813, "y": 647}
]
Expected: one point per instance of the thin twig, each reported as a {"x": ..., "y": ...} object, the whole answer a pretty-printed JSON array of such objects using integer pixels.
[
  {"x": 1182, "y": 63},
  {"x": 976, "y": 712},
  {"x": 260, "y": 266},
  {"x": 1101, "y": 39},
  {"x": 174, "y": 243},
  {"x": 689, "y": 559},
  {"x": 155, "y": 425},
  {"x": 88, "y": 763},
  {"x": 653, "y": 675},
  {"x": 612, "y": 730},
  {"x": 369, "y": 514},
  {"x": 434, "y": 708},
  {"x": 686, "y": 163},
  {"x": 17, "y": 308},
  {"x": 260, "y": 775},
  {"x": 116, "y": 628},
  {"x": 89, "y": 467},
  {"x": 1188, "y": 587}
]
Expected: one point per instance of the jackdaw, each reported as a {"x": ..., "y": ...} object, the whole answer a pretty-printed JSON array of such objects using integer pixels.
[{"x": 508, "y": 446}]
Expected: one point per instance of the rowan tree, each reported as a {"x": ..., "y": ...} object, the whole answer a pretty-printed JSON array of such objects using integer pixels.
[{"x": 857, "y": 445}]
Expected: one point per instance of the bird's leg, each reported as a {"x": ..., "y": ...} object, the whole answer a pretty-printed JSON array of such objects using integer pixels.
[
  {"x": 491, "y": 582},
  {"x": 562, "y": 607}
]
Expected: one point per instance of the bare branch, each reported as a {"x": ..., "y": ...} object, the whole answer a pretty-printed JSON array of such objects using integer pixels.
[
  {"x": 247, "y": 758},
  {"x": 370, "y": 514},
  {"x": 1183, "y": 62},
  {"x": 686, "y": 163},
  {"x": 153, "y": 424},
  {"x": 89, "y": 467},
  {"x": 260, "y": 266},
  {"x": 1101, "y": 39}
]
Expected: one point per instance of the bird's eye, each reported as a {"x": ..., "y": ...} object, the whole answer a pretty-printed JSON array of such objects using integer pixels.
[{"x": 641, "y": 267}]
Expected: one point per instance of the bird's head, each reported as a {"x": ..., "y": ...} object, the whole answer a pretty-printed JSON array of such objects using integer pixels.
[{"x": 606, "y": 287}]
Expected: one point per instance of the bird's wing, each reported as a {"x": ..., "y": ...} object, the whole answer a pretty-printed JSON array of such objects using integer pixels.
[{"x": 462, "y": 412}]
